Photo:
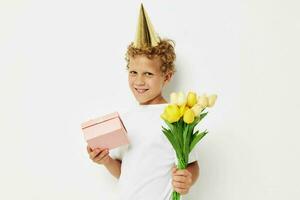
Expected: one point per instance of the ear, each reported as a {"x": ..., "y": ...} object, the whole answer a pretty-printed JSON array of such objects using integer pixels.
[{"x": 167, "y": 77}]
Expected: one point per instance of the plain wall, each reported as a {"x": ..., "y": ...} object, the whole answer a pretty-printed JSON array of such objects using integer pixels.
[{"x": 62, "y": 62}]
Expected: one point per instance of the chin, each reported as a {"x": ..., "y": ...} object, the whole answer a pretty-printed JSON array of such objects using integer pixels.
[{"x": 141, "y": 101}]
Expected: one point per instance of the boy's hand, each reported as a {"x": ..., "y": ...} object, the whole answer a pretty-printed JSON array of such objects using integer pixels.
[
  {"x": 182, "y": 180},
  {"x": 99, "y": 155}
]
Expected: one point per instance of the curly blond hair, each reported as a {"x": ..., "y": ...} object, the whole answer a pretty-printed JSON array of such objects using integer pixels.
[{"x": 164, "y": 50}]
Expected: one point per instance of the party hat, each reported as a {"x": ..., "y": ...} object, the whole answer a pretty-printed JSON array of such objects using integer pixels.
[{"x": 145, "y": 34}]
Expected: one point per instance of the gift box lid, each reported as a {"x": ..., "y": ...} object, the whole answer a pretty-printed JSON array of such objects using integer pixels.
[{"x": 99, "y": 120}]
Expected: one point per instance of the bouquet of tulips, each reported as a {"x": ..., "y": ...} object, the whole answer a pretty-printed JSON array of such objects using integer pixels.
[{"x": 181, "y": 117}]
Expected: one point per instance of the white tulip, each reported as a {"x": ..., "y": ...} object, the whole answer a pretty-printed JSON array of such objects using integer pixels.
[
  {"x": 203, "y": 101},
  {"x": 173, "y": 98},
  {"x": 197, "y": 108},
  {"x": 211, "y": 100},
  {"x": 181, "y": 99}
]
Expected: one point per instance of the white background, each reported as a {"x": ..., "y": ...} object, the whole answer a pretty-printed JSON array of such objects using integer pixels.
[{"x": 62, "y": 62}]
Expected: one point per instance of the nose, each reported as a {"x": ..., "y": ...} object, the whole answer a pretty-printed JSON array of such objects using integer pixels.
[{"x": 139, "y": 80}]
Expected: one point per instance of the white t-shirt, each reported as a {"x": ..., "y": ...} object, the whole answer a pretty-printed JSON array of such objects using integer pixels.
[{"x": 148, "y": 159}]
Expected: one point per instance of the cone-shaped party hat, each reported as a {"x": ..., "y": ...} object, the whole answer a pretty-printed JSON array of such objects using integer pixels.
[{"x": 145, "y": 34}]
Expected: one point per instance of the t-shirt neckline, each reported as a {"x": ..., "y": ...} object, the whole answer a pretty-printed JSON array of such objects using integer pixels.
[{"x": 152, "y": 105}]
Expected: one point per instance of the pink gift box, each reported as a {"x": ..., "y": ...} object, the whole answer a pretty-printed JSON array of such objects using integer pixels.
[{"x": 107, "y": 131}]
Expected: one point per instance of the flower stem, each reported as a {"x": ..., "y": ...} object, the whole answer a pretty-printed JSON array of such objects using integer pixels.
[{"x": 175, "y": 196}]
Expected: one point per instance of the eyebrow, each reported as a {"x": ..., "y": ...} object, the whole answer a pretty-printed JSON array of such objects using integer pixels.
[
  {"x": 132, "y": 70},
  {"x": 150, "y": 71}
]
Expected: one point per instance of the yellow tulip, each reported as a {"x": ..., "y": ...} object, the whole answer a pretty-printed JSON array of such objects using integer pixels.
[
  {"x": 173, "y": 98},
  {"x": 191, "y": 99},
  {"x": 197, "y": 108},
  {"x": 181, "y": 99},
  {"x": 164, "y": 116},
  {"x": 203, "y": 101},
  {"x": 211, "y": 100},
  {"x": 182, "y": 109},
  {"x": 188, "y": 116},
  {"x": 171, "y": 113}
]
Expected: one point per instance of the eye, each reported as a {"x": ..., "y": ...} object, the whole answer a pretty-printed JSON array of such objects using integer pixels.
[
  {"x": 148, "y": 74},
  {"x": 132, "y": 72}
]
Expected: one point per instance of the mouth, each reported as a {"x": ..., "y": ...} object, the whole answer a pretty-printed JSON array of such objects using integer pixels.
[{"x": 141, "y": 91}]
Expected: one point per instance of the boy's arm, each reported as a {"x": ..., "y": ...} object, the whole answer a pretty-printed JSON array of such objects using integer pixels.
[
  {"x": 193, "y": 168},
  {"x": 114, "y": 167}
]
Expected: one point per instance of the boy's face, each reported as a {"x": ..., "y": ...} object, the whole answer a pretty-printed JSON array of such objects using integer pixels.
[{"x": 146, "y": 80}]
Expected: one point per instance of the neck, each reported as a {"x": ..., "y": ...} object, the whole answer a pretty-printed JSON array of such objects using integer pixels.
[{"x": 158, "y": 100}]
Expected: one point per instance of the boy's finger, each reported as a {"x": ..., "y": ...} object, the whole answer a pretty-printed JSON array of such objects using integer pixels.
[
  {"x": 101, "y": 155},
  {"x": 95, "y": 153},
  {"x": 103, "y": 158},
  {"x": 102, "y": 151},
  {"x": 181, "y": 179},
  {"x": 182, "y": 173},
  {"x": 174, "y": 169},
  {"x": 89, "y": 149}
]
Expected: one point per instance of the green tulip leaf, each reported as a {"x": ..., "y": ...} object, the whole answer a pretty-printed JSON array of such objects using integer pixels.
[{"x": 197, "y": 138}]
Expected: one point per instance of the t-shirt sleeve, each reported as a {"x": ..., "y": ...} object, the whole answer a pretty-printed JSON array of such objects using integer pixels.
[
  {"x": 194, "y": 154},
  {"x": 118, "y": 152}
]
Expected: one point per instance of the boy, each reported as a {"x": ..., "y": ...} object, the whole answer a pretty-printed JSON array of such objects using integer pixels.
[{"x": 145, "y": 168}]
